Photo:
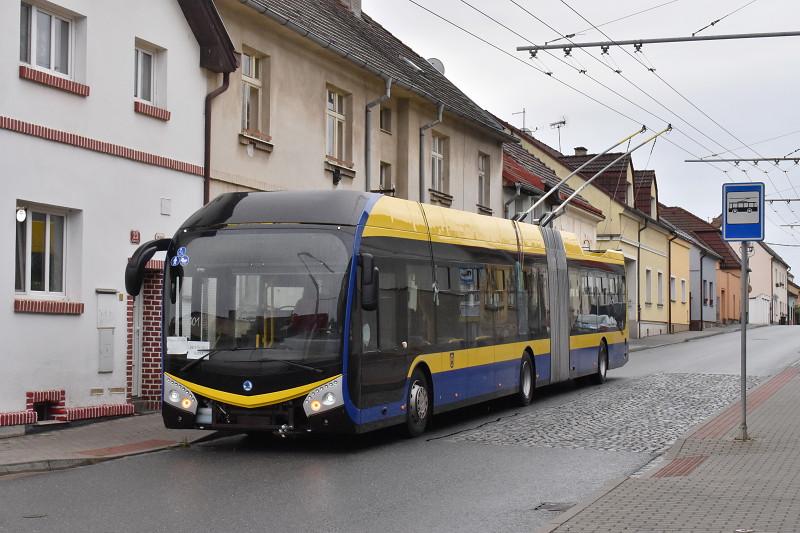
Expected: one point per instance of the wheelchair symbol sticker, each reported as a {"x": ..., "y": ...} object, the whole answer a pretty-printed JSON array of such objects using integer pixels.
[{"x": 180, "y": 258}]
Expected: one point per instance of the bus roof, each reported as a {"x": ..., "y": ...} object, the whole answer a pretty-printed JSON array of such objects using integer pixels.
[{"x": 388, "y": 216}]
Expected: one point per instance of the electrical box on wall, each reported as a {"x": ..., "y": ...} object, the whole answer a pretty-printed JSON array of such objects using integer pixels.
[{"x": 107, "y": 304}]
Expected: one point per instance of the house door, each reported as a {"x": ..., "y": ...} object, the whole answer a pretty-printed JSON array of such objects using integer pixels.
[{"x": 136, "y": 370}]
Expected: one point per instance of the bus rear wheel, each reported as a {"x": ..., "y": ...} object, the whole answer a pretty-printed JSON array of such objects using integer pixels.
[
  {"x": 418, "y": 404},
  {"x": 602, "y": 365},
  {"x": 526, "y": 381}
]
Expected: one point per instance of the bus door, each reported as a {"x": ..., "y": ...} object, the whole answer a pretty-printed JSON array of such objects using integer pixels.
[
  {"x": 452, "y": 318},
  {"x": 558, "y": 292}
]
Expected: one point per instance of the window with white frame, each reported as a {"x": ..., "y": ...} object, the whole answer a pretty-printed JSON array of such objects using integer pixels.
[
  {"x": 386, "y": 176},
  {"x": 673, "y": 289},
  {"x": 439, "y": 163},
  {"x": 660, "y": 288},
  {"x": 483, "y": 180},
  {"x": 45, "y": 39},
  {"x": 648, "y": 286},
  {"x": 711, "y": 294},
  {"x": 336, "y": 133},
  {"x": 251, "y": 92},
  {"x": 683, "y": 291},
  {"x": 39, "y": 251},
  {"x": 144, "y": 68},
  {"x": 386, "y": 119}
]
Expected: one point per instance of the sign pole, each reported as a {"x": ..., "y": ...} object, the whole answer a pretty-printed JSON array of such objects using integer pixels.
[{"x": 743, "y": 321}]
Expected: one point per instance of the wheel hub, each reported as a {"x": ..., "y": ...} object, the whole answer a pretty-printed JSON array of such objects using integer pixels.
[
  {"x": 526, "y": 379},
  {"x": 419, "y": 400}
]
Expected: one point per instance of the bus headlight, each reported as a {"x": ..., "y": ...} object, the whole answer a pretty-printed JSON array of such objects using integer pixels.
[
  {"x": 324, "y": 398},
  {"x": 179, "y": 396}
]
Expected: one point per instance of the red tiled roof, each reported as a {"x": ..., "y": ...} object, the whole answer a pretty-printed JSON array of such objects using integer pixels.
[
  {"x": 514, "y": 172},
  {"x": 702, "y": 231},
  {"x": 529, "y": 169},
  {"x": 612, "y": 181}
]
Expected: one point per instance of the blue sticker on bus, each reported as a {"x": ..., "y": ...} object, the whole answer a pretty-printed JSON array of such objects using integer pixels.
[{"x": 180, "y": 258}]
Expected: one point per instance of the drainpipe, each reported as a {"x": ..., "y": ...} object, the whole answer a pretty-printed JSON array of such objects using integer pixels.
[
  {"x": 516, "y": 195},
  {"x": 702, "y": 289},
  {"x": 427, "y": 126},
  {"x": 639, "y": 279},
  {"x": 669, "y": 282},
  {"x": 368, "y": 133},
  {"x": 226, "y": 78}
]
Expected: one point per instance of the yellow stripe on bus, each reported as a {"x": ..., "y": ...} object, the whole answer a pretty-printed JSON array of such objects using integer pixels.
[
  {"x": 259, "y": 400},
  {"x": 483, "y": 355}
]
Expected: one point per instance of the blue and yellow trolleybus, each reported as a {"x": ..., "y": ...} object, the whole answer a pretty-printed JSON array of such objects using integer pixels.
[{"x": 348, "y": 311}]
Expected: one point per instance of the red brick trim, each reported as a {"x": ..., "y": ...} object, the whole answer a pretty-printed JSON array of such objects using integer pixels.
[
  {"x": 17, "y": 418},
  {"x": 151, "y": 111},
  {"x": 48, "y": 307},
  {"x": 53, "y": 396},
  {"x": 154, "y": 264},
  {"x": 94, "y": 145},
  {"x": 98, "y": 411},
  {"x": 682, "y": 466},
  {"x": 51, "y": 80}
]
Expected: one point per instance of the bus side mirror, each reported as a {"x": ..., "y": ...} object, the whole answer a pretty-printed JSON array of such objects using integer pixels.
[
  {"x": 369, "y": 283},
  {"x": 134, "y": 271}
]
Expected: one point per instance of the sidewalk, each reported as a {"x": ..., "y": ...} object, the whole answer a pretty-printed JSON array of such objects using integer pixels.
[
  {"x": 709, "y": 481},
  {"x": 91, "y": 444},
  {"x": 657, "y": 341}
]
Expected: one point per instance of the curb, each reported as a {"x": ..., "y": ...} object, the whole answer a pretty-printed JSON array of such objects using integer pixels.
[
  {"x": 51, "y": 465},
  {"x": 639, "y": 348},
  {"x": 558, "y": 521}
]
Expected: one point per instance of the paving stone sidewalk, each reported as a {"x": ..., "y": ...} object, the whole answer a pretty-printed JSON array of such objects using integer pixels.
[
  {"x": 709, "y": 480},
  {"x": 91, "y": 443}
]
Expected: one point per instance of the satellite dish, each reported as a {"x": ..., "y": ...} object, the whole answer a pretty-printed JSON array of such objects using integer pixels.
[{"x": 437, "y": 64}]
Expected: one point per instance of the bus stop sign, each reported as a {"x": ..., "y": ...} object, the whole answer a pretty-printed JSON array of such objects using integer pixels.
[{"x": 743, "y": 211}]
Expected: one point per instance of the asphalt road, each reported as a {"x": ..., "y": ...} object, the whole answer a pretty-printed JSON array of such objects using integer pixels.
[{"x": 485, "y": 468}]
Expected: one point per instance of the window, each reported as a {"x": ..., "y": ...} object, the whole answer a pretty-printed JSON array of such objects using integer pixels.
[
  {"x": 386, "y": 119},
  {"x": 251, "y": 92},
  {"x": 660, "y": 287},
  {"x": 144, "y": 75},
  {"x": 336, "y": 125},
  {"x": 483, "y": 180},
  {"x": 439, "y": 163},
  {"x": 45, "y": 40},
  {"x": 648, "y": 286},
  {"x": 683, "y": 291},
  {"x": 386, "y": 176},
  {"x": 39, "y": 251},
  {"x": 711, "y": 294},
  {"x": 672, "y": 289},
  {"x": 705, "y": 292}
]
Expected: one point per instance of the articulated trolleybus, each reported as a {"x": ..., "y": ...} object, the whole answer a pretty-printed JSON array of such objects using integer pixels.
[{"x": 348, "y": 311}]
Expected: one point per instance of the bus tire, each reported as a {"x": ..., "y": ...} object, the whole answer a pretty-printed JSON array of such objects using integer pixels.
[
  {"x": 526, "y": 381},
  {"x": 419, "y": 404},
  {"x": 599, "y": 377}
]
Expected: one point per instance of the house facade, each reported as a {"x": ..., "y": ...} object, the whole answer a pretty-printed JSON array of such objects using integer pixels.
[
  {"x": 326, "y": 98},
  {"x": 715, "y": 299},
  {"x": 99, "y": 155},
  {"x": 770, "y": 278}
]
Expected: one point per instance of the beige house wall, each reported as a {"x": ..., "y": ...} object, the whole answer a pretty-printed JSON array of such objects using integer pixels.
[
  {"x": 679, "y": 271},
  {"x": 728, "y": 292},
  {"x": 296, "y": 73}
]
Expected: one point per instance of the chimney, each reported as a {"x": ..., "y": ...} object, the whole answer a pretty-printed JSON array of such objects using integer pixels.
[
  {"x": 353, "y": 5},
  {"x": 580, "y": 150}
]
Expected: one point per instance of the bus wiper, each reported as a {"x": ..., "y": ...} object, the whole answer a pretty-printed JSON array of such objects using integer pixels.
[
  {"x": 275, "y": 359},
  {"x": 209, "y": 353}
]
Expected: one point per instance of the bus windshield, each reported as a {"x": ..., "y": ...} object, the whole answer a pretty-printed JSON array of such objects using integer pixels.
[{"x": 256, "y": 294}]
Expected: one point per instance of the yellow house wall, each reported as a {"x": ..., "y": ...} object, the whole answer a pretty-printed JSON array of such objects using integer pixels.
[
  {"x": 653, "y": 256},
  {"x": 729, "y": 282},
  {"x": 680, "y": 270}
]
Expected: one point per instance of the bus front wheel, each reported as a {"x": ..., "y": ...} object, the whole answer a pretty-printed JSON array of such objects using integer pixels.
[
  {"x": 602, "y": 364},
  {"x": 418, "y": 404},
  {"x": 526, "y": 381}
]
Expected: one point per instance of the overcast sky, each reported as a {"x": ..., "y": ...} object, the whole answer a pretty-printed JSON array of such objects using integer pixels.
[{"x": 749, "y": 87}]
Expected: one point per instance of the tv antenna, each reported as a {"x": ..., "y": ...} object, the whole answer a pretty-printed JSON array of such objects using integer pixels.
[
  {"x": 558, "y": 125},
  {"x": 524, "y": 129}
]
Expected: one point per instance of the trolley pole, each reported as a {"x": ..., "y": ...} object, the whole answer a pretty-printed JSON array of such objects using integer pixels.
[{"x": 743, "y": 321}]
